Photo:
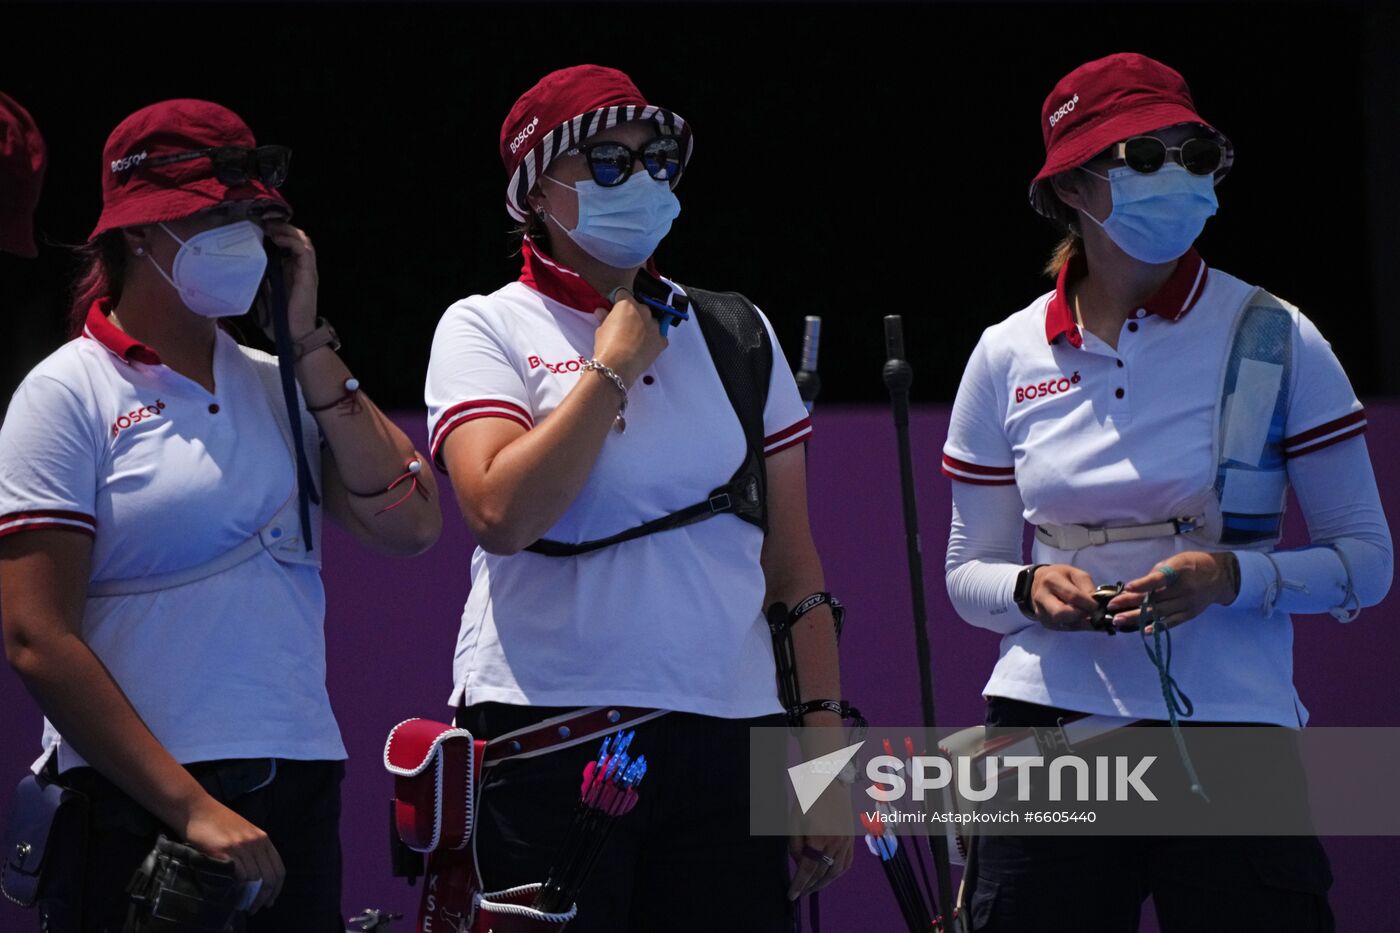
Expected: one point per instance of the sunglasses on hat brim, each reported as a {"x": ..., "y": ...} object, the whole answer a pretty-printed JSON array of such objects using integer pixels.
[
  {"x": 235, "y": 165},
  {"x": 610, "y": 163},
  {"x": 1200, "y": 155}
]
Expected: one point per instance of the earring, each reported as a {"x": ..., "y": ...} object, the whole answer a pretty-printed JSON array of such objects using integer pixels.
[{"x": 140, "y": 250}]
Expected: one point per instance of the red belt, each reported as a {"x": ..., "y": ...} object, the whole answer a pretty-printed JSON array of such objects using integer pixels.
[{"x": 560, "y": 732}]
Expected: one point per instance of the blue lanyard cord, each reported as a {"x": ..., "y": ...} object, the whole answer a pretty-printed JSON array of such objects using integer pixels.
[{"x": 1178, "y": 703}]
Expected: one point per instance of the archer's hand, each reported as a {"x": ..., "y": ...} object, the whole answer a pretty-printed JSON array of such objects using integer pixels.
[
  {"x": 629, "y": 339},
  {"x": 1063, "y": 598},
  {"x": 1182, "y": 587},
  {"x": 220, "y": 833},
  {"x": 812, "y": 872},
  {"x": 299, "y": 269}
]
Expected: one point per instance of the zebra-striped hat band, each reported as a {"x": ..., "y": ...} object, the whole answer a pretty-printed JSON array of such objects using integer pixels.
[{"x": 563, "y": 110}]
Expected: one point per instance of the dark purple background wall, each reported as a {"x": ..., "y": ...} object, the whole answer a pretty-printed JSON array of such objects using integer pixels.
[{"x": 391, "y": 627}]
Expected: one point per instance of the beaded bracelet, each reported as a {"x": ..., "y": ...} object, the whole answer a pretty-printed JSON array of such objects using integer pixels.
[{"x": 351, "y": 399}]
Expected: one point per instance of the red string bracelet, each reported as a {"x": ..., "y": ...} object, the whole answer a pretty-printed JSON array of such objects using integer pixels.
[{"x": 412, "y": 468}]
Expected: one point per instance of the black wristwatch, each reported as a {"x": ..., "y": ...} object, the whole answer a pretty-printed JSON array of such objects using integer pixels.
[{"x": 1022, "y": 594}]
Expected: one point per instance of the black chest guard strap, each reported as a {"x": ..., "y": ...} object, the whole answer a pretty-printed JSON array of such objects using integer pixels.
[{"x": 743, "y": 357}]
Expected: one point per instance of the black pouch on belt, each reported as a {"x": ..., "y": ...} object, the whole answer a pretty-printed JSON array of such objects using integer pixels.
[
  {"x": 48, "y": 824},
  {"x": 179, "y": 890}
]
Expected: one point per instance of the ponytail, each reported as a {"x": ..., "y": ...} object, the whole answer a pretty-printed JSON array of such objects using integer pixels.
[{"x": 101, "y": 272}]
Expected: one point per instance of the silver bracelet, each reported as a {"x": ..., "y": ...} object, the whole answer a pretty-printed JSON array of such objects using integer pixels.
[{"x": 620, "y": 422}]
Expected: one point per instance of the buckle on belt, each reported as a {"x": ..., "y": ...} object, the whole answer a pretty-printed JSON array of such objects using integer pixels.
[
  {"x": 1070, "y": 537},
  {"x": 720, "y": 503},
  {"x": 1052, "y": 740}
]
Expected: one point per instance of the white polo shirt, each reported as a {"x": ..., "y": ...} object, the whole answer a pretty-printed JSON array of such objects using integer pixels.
[
  {"x": 672, "y": 620},
  {"x": 1095, "y": 436},
  {"x": 102, "y": 439}
]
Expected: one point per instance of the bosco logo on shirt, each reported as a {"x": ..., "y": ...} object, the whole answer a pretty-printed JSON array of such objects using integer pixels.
[
  {"x": 567, "y": 366},
  {"x": 136, "y": 416},
  {"x": 1048, "y": 387}
]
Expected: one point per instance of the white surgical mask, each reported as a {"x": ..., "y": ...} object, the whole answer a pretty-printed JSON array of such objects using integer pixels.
[
  {"x": 622, "y": 225},
  {"x": 1156, "y": 217},
  {"x": 217, "y": 272}
]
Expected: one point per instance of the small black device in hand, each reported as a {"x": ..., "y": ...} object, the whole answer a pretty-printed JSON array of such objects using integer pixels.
[
  {"x": 1102, "y": 619},
  {"x": 657, "y": 296}
]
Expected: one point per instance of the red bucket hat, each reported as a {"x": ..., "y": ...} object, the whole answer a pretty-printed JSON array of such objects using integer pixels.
[
  {"x": 564, "y": 109},
  {"x": 22, "y": 166},
  {"x": 135, "y": 193},
  {"x": 1107, "y": 101}
]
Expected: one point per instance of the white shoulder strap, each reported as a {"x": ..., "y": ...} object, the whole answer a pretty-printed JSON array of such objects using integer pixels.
[{"x": 269, "y": 537}]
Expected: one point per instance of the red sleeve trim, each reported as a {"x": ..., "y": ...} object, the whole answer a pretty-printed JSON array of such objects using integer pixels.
[
  {"x": 1345, "y": 435},
  {"x": 976, "y": 474},
  {"x": 47, "y": 518},
  {"x": 462, "y": 412},
  {"x": 787, "y": 437},
  {"x": 1323, "y": 432},
  {"x": 972, "y": 481}
]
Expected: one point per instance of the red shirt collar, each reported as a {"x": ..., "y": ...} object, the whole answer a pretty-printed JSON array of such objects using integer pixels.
[
  {"x": 113, "y": 337},
  {"x": 1178, "y": 295},
  {"x": 558, "y": 282}
]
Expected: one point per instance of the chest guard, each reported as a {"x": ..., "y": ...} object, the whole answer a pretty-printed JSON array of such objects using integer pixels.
[{"x": 1245, "y": 504}]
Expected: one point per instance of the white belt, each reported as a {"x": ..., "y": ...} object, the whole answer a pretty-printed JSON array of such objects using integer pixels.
[{"x": 1074, "y": 537}]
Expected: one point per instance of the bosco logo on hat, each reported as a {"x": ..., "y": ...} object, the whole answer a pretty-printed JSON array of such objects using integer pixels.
[
  {"x": 564, "y": 109},
  {"x": 179, "y": 157},
  {"x": 1106, "y": 101}
]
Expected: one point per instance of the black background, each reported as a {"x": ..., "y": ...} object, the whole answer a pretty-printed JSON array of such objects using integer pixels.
[{"x": 851, "y": 160}]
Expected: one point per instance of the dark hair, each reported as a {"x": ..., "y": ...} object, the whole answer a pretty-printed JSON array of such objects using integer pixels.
[{"x": 101, "y": 273}]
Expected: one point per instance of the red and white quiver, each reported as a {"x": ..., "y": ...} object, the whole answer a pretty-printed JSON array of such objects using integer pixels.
[
  {"x": 437, "y": 772},
  {"x": 434, "y": 784}
]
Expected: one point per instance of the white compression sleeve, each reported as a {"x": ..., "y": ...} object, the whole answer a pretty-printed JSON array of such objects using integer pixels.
[
  {"x": 1351, "y": 550},
  {"x": 984, "y": 555}
]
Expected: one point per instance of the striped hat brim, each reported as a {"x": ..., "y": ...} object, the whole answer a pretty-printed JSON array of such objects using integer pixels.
[{"x": 577, "y": 130}]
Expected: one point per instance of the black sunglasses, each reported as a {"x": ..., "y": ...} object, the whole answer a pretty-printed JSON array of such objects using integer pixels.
[
  {"x": 234, "y": 165},
  {"x": 1200, "y": 155},
  {"x": 610, "y": 163}
]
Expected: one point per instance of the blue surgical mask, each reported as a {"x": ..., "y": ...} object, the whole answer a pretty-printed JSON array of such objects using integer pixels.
[
  {"x": 1156, "y": 217},
  {"x": 622, "y": 225}
]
